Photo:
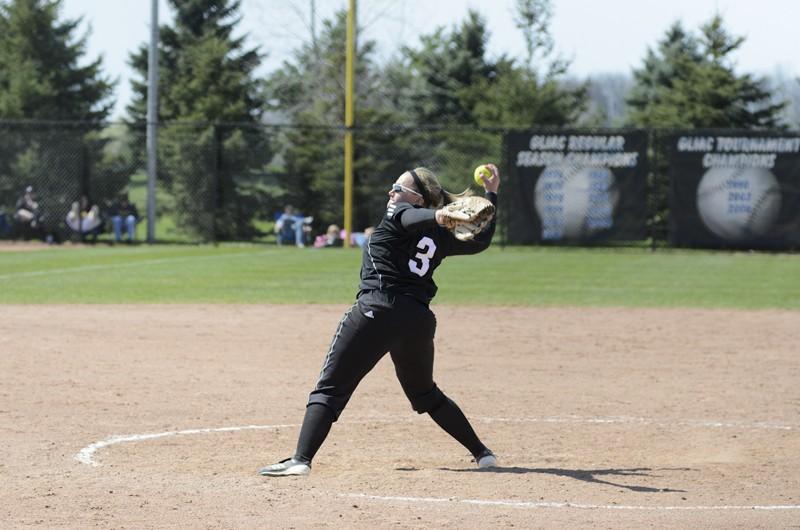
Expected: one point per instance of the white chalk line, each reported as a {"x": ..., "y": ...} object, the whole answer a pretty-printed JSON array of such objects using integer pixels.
[
  {"x": 526, "y": 504},
  {"x": 649, "y": 421},
  {"x": 86, "y": 456},
  {"x": 128, "y": 264}
]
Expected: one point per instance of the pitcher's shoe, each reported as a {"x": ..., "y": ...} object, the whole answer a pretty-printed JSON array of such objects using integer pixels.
[
  {"x": 289, "y": 466},
  {"x": 486, "y": 460}
]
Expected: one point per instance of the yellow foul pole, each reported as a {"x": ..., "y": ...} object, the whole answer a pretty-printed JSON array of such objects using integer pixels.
[{"x": 349, "y": 119}]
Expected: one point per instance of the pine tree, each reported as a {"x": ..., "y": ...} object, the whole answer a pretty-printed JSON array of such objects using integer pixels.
[
  {"x": 445, "y": 67},
  {"x": 454, "y": 82},
  {"x": 40, "y": 74},
  {"x": 211, "y": 104},
  {"x": 690, "y": 81},
  {"x": 308, "y": 92},
  {"x": 42, "y": 78}
]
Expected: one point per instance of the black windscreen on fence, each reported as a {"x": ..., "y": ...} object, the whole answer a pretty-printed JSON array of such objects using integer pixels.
[
  {"x": 574, "y": 186},
  {"x": 735, "y": 190}
]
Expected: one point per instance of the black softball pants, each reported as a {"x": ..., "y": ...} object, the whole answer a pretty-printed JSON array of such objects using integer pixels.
[{"x": 379, "y": 322}]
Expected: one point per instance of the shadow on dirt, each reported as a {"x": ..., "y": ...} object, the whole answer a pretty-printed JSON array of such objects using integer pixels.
[{"x": 585, "y": 475}]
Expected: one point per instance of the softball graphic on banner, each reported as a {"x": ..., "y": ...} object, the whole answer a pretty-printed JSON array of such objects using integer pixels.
[
  {"x": 575, "y": 201},
  {"x": 738, "y": 204}
]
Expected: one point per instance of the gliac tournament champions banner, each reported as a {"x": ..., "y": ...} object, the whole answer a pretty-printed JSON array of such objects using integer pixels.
[
  {"x": 735, "y": 190},
  {"x": 576, "y": 187}
]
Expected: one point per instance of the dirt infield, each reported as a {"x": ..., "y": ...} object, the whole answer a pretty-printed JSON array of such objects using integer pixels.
[{"x": 601, "y": 417}]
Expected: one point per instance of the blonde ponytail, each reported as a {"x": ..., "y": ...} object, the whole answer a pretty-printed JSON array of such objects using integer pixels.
[{"x": 438, "y": 195}]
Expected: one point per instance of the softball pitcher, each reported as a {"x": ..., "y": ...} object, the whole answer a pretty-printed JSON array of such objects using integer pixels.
[{"x": 392, "y": 314}]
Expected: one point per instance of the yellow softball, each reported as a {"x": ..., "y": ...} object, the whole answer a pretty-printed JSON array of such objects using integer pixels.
[{"x": 480, "y": 171}]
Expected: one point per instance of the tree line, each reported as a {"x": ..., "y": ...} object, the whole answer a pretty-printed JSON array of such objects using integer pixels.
[{"x": 441, "y": 98}]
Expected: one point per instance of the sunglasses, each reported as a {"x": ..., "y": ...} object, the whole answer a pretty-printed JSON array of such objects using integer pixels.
[{"x": 399, "y": 188}]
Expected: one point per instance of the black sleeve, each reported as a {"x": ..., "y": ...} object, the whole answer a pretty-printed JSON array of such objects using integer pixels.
[
  {"x": 480, "y": 242},
  {"x": 410, "y": 218},
  {"x": 416, "y": 219}
]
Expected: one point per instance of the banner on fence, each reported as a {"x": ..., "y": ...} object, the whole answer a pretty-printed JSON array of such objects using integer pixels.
[
  {"x": 574, "y": 186},
  {"x": 735, "y": 190}
]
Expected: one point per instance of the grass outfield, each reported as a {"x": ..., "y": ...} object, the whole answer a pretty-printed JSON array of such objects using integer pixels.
[{"x": 513, "y": 276}]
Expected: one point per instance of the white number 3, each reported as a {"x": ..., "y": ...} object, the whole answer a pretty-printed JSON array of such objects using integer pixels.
[{"x": 422, "y": 261}]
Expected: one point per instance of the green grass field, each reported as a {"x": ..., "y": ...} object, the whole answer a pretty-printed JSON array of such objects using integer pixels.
[{"x": 512, "y": 276}]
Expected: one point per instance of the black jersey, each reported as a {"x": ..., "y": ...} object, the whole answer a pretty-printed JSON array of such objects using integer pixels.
[{"x": 407, "y": 246}]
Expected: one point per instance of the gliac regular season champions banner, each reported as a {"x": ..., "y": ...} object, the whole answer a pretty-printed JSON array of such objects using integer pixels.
[
  {"x": 735, "y": 190},
  {"x": 576, "y": 186}
]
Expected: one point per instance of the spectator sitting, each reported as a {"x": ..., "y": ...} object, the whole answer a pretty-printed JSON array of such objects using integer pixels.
[
  {"x": 27, "y": 211},
  {"x": 29, "y": 218},
  {"x": 333, "y": 237},
  {"x": 84, "y": 218},
  {"x": 291, "y": 227},
  {"x": 360, "y": 238},
  {"x": 124, "y": 215}
]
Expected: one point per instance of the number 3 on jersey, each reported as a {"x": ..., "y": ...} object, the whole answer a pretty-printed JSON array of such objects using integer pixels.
[{"x": 421, "y": 262}]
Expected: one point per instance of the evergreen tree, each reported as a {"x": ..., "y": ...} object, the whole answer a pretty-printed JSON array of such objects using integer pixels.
[
  {"x": 519, "y": 99},
  {"x": 211, "y": 105},
  {"x": 40, "y": 75},
  {"x": 444, "y": 70},
  {"x": 440, "y": 80},
  {"x": 42, "y": 78},
  {"x": 421, "y": 107},
  {"x": 308, "y": 91},
  {"x": 690, "y": 82},
  {"x": 455, "y": 83},
  {"x": 662, "y": 69}
]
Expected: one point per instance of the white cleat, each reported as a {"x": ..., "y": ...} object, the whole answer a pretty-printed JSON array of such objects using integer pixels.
[
  {"x": 487, "y": 460},
  {"x": 284, "y": 468}
]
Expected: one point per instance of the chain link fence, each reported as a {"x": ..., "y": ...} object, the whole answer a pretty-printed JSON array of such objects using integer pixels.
[
  {"x": 230, "y": 182},
  {"x": 221, "y": 182}
]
